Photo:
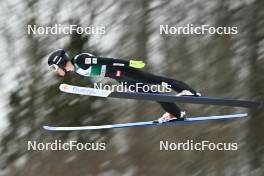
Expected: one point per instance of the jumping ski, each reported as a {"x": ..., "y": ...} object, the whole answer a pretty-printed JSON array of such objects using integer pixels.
[
  {"x": 161, "y": 97},
  {"x": 147, "y": 123}
]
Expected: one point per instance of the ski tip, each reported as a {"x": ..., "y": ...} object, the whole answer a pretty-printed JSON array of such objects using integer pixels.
[
  {"x": 64, "y": 87},
  {"x": 46, "y": 127}
]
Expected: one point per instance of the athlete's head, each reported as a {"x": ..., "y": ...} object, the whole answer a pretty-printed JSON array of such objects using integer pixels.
[{"x": 60, "y": 62}]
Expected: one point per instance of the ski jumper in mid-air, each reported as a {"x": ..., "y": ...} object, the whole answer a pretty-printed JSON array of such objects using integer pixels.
[{"x": 120, "y": 70}]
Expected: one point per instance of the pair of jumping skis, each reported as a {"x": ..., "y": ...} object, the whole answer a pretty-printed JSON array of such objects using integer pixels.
[{"x": 162, "y": 97}]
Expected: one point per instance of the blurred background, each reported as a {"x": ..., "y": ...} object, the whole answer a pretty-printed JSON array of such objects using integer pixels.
[{"x": 216, "y": 65}]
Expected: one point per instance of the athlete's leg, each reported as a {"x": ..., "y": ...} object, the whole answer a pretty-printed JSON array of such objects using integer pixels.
[
  {"x": 132, "y": 76},
  {"x": 148, "y": 78},
  {"x": 171, "y": 108}
]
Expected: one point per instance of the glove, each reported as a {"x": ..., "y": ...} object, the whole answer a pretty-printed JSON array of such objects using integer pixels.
[{"x": 136, "y": 64}]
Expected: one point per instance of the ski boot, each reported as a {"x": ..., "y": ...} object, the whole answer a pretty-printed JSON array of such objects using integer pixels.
[
  {"x": 188, "y": 93},
  {"x": 167, "y": 117}
]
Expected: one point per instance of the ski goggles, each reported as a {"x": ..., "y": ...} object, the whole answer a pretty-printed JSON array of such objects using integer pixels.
[{"x": 54, "y": 67}]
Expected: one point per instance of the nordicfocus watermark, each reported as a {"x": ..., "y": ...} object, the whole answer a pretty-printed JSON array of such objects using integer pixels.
[
  {"x": 137, "y": 87},
  {"x": 59, "y": 145},
  {"x": 58, "y": 29},
  {"x": 190, "y": 145},
  {"x": 190, "y": 29}
]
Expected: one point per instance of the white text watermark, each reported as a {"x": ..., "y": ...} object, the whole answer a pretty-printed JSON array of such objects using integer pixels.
[
  {"x": 58, "y": 29},
  {"x": 190, "y": 145},
  {"x": 59, "y": 145},
  {"x": 190, "y": 29},
  {"x": 136, "y": 87}
]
